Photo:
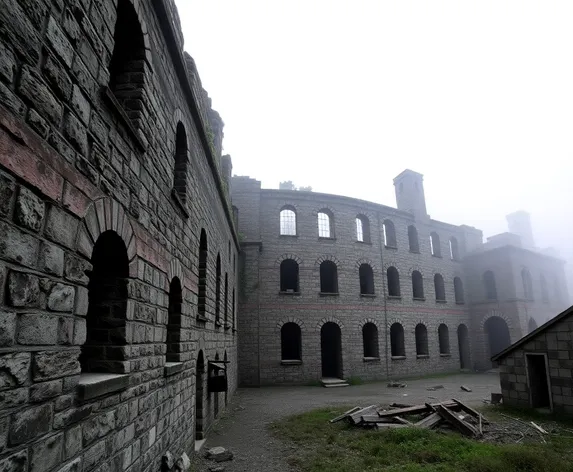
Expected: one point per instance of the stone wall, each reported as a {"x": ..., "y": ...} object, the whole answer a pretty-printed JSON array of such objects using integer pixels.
[{"x": 80, "y": 162}]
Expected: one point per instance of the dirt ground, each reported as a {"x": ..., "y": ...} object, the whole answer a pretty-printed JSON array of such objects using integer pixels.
[{"x": 243, "y": 427}]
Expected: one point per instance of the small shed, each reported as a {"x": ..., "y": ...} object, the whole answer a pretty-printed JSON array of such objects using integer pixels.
[{"x": 537, "y": 370}]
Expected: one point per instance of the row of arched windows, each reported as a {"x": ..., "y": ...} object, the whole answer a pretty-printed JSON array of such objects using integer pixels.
[
  {"x": 490, "y": 286},
  {"x": 325, "y": 219},
  {"x": 397, "y": 343},
  {"x": 289, "y": 281}
]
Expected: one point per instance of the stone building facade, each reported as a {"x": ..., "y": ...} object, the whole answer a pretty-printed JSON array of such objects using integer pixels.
[
  {"x": 408, "y": 296},
  {"x": 118, "y": 250}
]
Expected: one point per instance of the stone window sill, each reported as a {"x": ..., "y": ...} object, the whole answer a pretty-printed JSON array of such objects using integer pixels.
[
  {"x": 390, "y": 247},
  {"x": 201, "y": 319},
  {"x": 422, "y": 356},
  {"x": 283, "y": 292},
  {"x": 328, "y": 294},
  {"x": 95, "y": 385},
  {"x": 419, "y": 299},
  {"x": 365, "y": 242},
  {"x": 368, "y": 295},
  {"x": 218, "y": 324},
  {"x": 291, "y": 362},
  {"x": 445, "y": 354},
  {"x": 120, "y": 112},
  {"x": 371, "y": 359},
  {"x": 394, "y": 297},
  {"x": 172, "y": 368},
  {"x": 398, "y": 358},
  {"x": 179, "y": 203},
  {"x": 326, "y": 238},
  {"x": 288, "y": 235},
  {"x": 441, "y": 301},
  {"x": 227, "y": 326}
]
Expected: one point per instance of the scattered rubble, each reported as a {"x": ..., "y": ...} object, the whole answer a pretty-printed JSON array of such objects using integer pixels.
[
  {"x": 435, "y": 387},
  {"x": 466, "y": 389},
  {"x": 393, "y": 384},
  {"x": 219, "y": 454}
]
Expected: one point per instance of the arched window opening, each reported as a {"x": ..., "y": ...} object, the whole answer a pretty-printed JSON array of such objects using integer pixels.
[
  {"x": 107, "y": 309},
  {"x": 397, "y": 340},
  {"x": 174, "y": 316},
  {"x": 393, "y": 282},
  {"x": 370, "y": 340},
  {"x": 439, "y": 288},
  {"x": 218, "y": 290},
  {"x": 435, "y": 244},
  {"x": 421, "y": 340},
  {"x": 366, "y": 280},
  {"x": 291, "y": 342},
  {"x": 532, "y": 325},
  {"x": 489, "y": 285},
  {"x": 454, "y": 249},
  {"x": 226, "y": 306},
  {"x": 289, "y": 276},
  {"x": 498, "y": 334},
  {"x": 544, "y": 292},
  {"x": 527, "y": 284},
  {"x": 413, "y": 239},
  {"x": 181, "y": 159},
  {"x": 458, "y": 290},
  {"x": 417, "y": 285},
  {"x": 328, "y": 277},
  {"x": 444, "y": 339},
  {"x": 202, "y": 282},
  {"x": 389, "y": 233},
  {"x": 288, "y": 222},
  {"x": 325, "y": 229},
  {"x": 128, "y": 63},
  {"x": 362, "y": 229}
]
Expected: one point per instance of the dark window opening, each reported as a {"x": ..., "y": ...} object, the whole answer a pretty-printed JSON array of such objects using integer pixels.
[
  {"x": 464, "y": 346},
  {"x": 370, "y": 340},
  {"x": 199, "y": 394},
  {"x": 421, "y": 340},
  {"x": 181, "y": 159},
  {"x": 397, "y": 340},
  {"x": 291, "y": 344},
  {"x": 458, "y": 290},
  {"x": 218, "y": 290},
  {"x": 289, "y": 276},
  {"x": 174, "y": 321},
  {"x": 366, "y": 279},
  {"x": 489, "y": 284},
  {"x": 527, "y": 284},
  {"x": 444, "y": 339},
  {"x": 439, "y": 287},
  {"x": 435, "y": 244},
  {"x": 539, "y": 388},
  {"x": 413, "y": 239},
  {"x": 203, "y": 251},
  {"x": 417, "y": 285},
  {"x": 107, "y": 309},
  {"x": 216, "y": 395},
  {"x": 226, "y": 300},
  {"x": 454, "y": 249},
  {"x": 328, "y": 277},
  {"x": 288, "y": 222},
  {"x": 393, "y": 282},
  {"x": 389, "y": 233},
  {"x": 498, "y": 334},
  {"x": 362, "y": 229}
]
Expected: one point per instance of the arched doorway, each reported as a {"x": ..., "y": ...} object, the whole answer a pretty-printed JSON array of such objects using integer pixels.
[
  {"x": 498, "y": 334},
  {"x": 199, "y": 391},
  {"x": 331, "y": 350},
  {"x": 464, "y": 346}
]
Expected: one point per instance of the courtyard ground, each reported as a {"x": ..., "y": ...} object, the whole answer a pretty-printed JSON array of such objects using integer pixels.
[{"x": 244, "y": 428}]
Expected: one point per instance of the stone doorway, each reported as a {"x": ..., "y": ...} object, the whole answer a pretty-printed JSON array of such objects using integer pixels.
[
  {"x": 331, "y": 350},
  {"x": 497, "y": 334},
  {"x": 539, "y": 388},
  {"x": 464, "y": 346}
]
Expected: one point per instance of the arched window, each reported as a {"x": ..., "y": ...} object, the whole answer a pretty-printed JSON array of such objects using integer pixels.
[
  {"x": 288, "y": 221},
  {"x": 218, "y": 290},
  {"x": 421, "y": 340},
  {"x": 370, "y": 340},
  {"x": 226, "y": 309},
  {"x": 439, "y": 288},
  {"x": 489, "y": 285},
  {"x": 366, "y": 279},
  {"x": 417, "y": 285},
  {"x": 107, "y": 308},
  {"x": 435, "y": 244},
  {"x": 389, "y": 234},
  {"x": 454, "y": 249},
  {"x": 174, "y": 321},
  {"x": 202, "y": 283},
  {"x": 444, "y": 339},
  {"x": 362, "y": 229},
  {"x": 413, "y": 239},
  {"x": 291, "y": 345},
  {"x": 325, "y": 224},
  {"x": 328, "y": 277},
  {"x": 289, "y": 276},
  {"x": 458, "y": 290},
  {"x": 544, "y": 292},
  {"x": 180, "y": 169},
  {"x": 127, "y": 69},
  {"x": 527, "y": 284},
  {"x": 393, "y": 282},
  {"x": 397, "y": 340}
]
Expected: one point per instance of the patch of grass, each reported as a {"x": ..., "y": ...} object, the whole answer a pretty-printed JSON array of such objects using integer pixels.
[
  {"x": 338, "y": 447},
  {"x": 354, "y": 381},
  {"x": 525, "y": 414}
]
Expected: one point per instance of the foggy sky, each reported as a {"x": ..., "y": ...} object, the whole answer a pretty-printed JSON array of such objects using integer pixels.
[{"x": 344, "y": 95}]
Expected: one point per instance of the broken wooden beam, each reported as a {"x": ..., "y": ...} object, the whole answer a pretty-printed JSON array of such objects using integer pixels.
[
  {"x": 429, "y": 422},
  {"x": 470, "y": 410},
  {"x": 459, "y": 424},
  {"x": 414, "y": 410},
  {"x": 356, "y": 417},
  {"x": 345, "y": 414}
]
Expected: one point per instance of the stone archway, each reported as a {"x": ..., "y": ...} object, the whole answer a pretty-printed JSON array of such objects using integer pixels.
[
  {"x": 331, "y": 350},
  {"x": 497, "y": 333}
]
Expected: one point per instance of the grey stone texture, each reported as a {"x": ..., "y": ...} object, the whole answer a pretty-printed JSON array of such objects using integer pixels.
[{"x": 79, "y": 167}]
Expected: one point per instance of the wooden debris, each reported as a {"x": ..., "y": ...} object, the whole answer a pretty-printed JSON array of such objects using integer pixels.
[
  {"x": 469, "y": 410},
  {"x": 479, "y": 425},
  {"x": 466, "y": 389},
  {"x": 396, "y": 385},
  {"x": 429, "y": 422},
  {"x": 539, "y": 428},
  {"x": 399, "y": 405},
  {"x": 356, "y": 417},
  {"x": 401, "y": 420},
  {"x": 345, "y": 414},
  {"x": 462, "y": 426}
]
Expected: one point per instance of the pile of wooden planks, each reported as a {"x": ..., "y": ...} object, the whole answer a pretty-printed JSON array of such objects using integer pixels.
[{"x": 451, "y": 413}]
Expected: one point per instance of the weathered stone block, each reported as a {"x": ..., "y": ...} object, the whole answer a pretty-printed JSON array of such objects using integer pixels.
[
  {"x": 93, "y": 455},
  {"x": 38, "y": 123},
  {"x": 45, "y": 390},
  {"x": 63, "y": 402},
  {"x": 7, "y": 64},
  {"x": 30, "y": 423},
  {"x": 76, "y": 133},
  {"x": 37, "y": 92},
  {"x": 80, "y": 332},
  {"x": 7, "y": 328},
  {"x": 68, "y": 417},
  {"x": 15, "y": 463},
  {"x": 16, "y": 27},
  {"x": 4, "y": 426},
  {"x": 23, "y": 290},
  {"x": 51, "y": 365},
  {"x": 13, "y": 398},
  {"x": 37, "y": 329},
  {"x": 75, "y": 269},
  {"x": 61, "y": 298},
  {"x": 82, "y": 301},
  {"x": 11, "y": 101},
  {"x": 74, "y": 466},
  {"x": 98, "y": 427},
  {"x": 7, "y": 191},
  {"x": 14, "y": 369},
  {"x": 58, "y": 77},
  {"x": 30, "y": 210},
  {"x": 51, "y": 259},
  {"x": 47, "y": 453},
  {"x": 61, "y": 227},
  {"x": 80, "y": 105},
  {"x": 65, "y": 330},
  {"x": 73, "y": 443},
  {"x": 17, "y": 246},
  {"x": 57, "y": 39}
]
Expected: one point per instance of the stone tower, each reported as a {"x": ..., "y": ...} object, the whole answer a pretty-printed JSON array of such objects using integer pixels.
[
  {"x": 519, "y": 223},
  {"x": 409, "y": 187}
]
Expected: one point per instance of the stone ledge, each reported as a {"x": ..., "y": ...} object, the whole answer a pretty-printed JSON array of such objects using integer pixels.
[
  {"x": 179, "y": 203},
  {"x": 201, "y": 319},
  {"x": 441, "y": 301},
  {"x": 328, "y": 294},
  {"x": 289, "y": 293},
  {"x": 422, "y": 356},
  {"x": 291, "y": 362},
  {"x": 95, "y": 385},
  {"x": 172, "y": 368},
  {"x": 398, "y": 358},
  {"x": 394, "y": 297},
  {"x": 445, "y": 354},
  {"x": 288, "y": 235},
  {"x": 326, "y": 238},
  {"x": 419, "y": 299},
  {"x": 120, "y": 113},
  {"x": 369, "y": 243},
  {"x": 368, "y": 295},
  {"x": 391, "y": 247},
  {"x": 371, "y": 359}
]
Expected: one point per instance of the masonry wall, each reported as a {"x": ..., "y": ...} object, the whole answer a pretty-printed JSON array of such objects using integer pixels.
[
  {"x": 71, "y": 169},
  {"x": 263, "y": 306}
]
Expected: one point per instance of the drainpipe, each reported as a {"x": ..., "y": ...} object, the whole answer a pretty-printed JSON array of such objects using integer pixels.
[{"x": 380, "y": 237}]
